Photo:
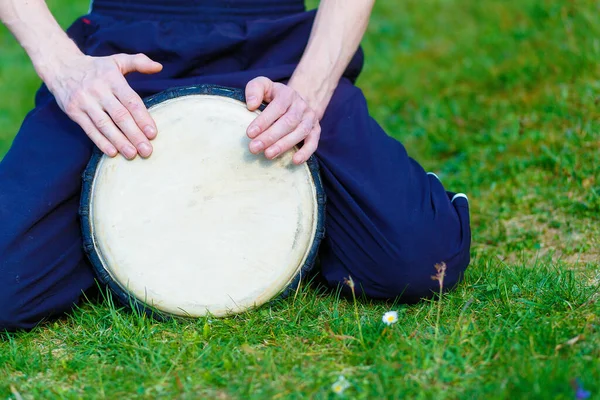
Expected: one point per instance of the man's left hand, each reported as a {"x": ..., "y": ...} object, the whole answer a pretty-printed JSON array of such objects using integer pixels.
[{"x": 285, "y": 122}]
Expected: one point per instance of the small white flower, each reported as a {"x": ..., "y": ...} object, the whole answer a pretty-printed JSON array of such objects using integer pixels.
[
  {"x": 390, "y": 317},
  {"x": 340, "y": 385}
]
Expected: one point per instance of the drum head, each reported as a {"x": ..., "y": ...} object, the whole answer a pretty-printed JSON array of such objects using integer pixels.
[{"x": 202, "y": 226}]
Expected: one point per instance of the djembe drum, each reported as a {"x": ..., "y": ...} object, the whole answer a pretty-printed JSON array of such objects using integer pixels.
[{"x": 202, "y": 227}]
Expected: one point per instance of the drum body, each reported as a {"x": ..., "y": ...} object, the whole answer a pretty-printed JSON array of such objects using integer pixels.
[{"x": 202, "y": 227}]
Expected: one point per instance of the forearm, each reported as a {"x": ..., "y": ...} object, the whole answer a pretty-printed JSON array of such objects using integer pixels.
[
  {"x": 38, "y": 33},
  {"x": 338, "y": 29}
]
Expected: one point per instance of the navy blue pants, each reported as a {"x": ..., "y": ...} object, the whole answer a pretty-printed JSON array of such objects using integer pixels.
[{"x": 388, "y": 221}]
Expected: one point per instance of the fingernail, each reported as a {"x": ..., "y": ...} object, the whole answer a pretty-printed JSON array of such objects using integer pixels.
[
  {"x": 251, "y": 99},
  {"x": 111, "y": 152},
  {"x": 272, "y": 152},
  {"x": 256, "y": 146},
  {"x": 130, "y": 151},
  {"x": 149, "y": 131},
  {"x": 145, "y": 149},
  {"x": 253, "y": 131}
]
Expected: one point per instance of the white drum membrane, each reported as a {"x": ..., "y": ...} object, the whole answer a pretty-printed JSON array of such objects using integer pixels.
[{"x": 203, "y": 226}]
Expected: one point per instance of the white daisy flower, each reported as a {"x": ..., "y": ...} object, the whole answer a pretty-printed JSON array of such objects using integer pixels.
[
  {"x": 340, "y": 385},
  {"x": 390, "y": 317}
]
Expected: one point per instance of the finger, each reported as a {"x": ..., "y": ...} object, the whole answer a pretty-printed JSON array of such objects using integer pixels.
[
  {"x": 257, "y": 90},
  {"x": 286, "y": 124},
  {"x": 136, "y": 63},
  {"x": 124, "y": 121},
  {"x": 94, "y": 134},
  {"x": 290, "y": 140},
  {"x": 311, "y": 143},
  {"x": 275, "y": 110},
  {"x": 104, "y": 123},
  {"x": 135, "y": 105}
]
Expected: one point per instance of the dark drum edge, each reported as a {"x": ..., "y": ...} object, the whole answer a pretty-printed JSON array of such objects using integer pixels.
[
  {"x": 87, "y": 188},
  {"x": 308, "y": 267}
]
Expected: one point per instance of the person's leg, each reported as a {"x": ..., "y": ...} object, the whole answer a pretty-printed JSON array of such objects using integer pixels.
[
  {"x": 42, "y": 265},
  {"x": 388, "y": 222}
]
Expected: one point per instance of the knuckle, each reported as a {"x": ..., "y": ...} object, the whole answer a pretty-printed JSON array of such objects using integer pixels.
[
  {"x": 72, "y": 107},
  {"x": 111, "y": 74},
  {"x": 259, "y": 125},
  {"x": 120, "y": 115},
  {"x": 102, "y": 123},
  {"x": 137, "y": 139},
  {"x": 289, "y": 95},
  {"x": 302, "y": 106},
  {"x": 256, "y": 81},
  {"x": 132, "y": 103},
  {"x": 95, "y": 88},
  {"x": 305, "y": 130},
  {"x": 78, "y": 93},
  {"x": 257, "y": 84},
  {"x": 134, "y": 106},
  {"x": 279, "y": 108},
  {"x": 269, "y": 138},
  {"x": 76, "y": 98},
  {"x": 107, "y": 74},
  {"x": 140, "y": 58},
  {"x": 291, "y": 119}
]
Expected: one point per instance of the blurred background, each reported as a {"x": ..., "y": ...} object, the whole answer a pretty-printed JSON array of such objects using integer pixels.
[{"x": 499, "y": 98}]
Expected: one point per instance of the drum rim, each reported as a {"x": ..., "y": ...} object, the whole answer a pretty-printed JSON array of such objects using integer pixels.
[{"x": 89, "y": 173}]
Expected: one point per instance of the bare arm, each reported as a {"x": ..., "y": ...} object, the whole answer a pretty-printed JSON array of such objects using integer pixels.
[
  {"x": 338, "y": 29},
  {"x": 295, "y": 110},
  {"x": 92, "y": 91},
  {"x": 38, "y": 33}
]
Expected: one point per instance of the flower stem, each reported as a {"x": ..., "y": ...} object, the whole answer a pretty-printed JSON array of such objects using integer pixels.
[
  {"x": 360, "y": 333},
  {"x": 439, "y": 311}
]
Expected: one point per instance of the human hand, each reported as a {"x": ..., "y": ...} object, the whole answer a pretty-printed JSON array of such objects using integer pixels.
[
  {"x": 285, "y": 122},
  {"x": 93, "y": 92}
]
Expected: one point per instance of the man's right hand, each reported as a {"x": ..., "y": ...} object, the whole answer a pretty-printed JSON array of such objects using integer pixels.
[{"x": 93, "y": 92}]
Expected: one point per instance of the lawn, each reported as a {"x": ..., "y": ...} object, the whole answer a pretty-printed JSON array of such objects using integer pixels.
[{"x": 501, "y": 100}]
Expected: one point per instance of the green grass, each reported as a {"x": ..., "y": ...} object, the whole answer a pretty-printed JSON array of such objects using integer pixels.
[{"x": 501, "y": 99}]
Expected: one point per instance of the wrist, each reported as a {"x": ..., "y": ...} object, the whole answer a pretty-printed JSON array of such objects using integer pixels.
[
  {"x": 36, "y": 30},
  {"x": 49, "y": 62},
  {"x": 315, "y": 88},
  {"x": 48, "y": 48}
]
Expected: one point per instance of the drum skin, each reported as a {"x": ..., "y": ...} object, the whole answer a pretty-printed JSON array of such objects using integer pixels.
[{"x": 185, "y": 232}]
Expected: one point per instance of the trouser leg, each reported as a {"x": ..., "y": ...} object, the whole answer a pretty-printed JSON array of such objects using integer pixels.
[
  {"x": 43, "y": 270},
  {"x": 388, "y": 221}
]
